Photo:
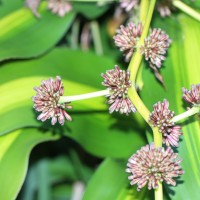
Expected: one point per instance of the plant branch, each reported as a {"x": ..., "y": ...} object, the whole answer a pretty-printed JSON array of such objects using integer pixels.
[
  {"x": 186, "y": 9},
  {"x": 143, "y": 6},
  {"x": 65, "y": 99},
  {"x": 133, "y": 68},
  {"x": 159, "y": 192},
  {"x": 136, "y": 61},
  {"x": 194, "y": 110}
]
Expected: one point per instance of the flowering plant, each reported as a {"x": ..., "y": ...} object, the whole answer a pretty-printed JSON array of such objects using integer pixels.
[{"x": 115, "y": 84}]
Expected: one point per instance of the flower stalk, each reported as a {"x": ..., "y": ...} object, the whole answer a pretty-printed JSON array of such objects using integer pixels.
[
  {"x": 185, "y": 8},
  {"x": 64, "y": 99},
  {"x": 194, "y": 110},
  {"x": 133, "y": 68}
]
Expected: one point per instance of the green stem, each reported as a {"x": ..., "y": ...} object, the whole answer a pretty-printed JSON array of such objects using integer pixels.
[
  {"x": 139, "y": 81},
  {"x": 65, "y": 99},
  {"x": 185, "y": 8},
  {"x": 144, "y": 4},
  {"x": 75, "y": 34},
  {"x": 136, "y": 61},
  {"x": 159, "y": 192},
  {"x": 194, "y": 110},
  {"x": 142, "y": 109},
  {"x": 133, "y": 68},
  {"x": 96, "y": 37},
  {"x": 137, "y": 58}
]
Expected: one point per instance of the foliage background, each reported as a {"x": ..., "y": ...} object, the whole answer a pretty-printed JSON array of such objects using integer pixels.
[{"x": 91, "y": 152}]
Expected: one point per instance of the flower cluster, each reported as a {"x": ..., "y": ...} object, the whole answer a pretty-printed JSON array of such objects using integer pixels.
[
  {"x": 118, "y": 82},
  {"x": 127, "y": 37},
  {"x": 155, "y": 47},
  {"x": 47, "y": 101},
  {"x": 128, "y": 4},
  {"x": 193, "y": 95},
  {"x": 161, "y": 117},
  {"x": 164, "y": 8},
  {"x": 152, "y": 165},
  {"x": 60, "y": 7}
]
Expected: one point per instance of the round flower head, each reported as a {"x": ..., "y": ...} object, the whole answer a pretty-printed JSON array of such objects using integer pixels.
[
  {"x": 60, "y": 7},
  {"x": 155, "y": 47},
  {"x": 128, "y": 4},
  {"x": 117, "y": 81},
  {"x": 127, "y": 37},
  {"x": 193, "y": 95},
  {"x": 161, "y": 117},
  {"x": 47, "y": 101},
  {"x": 151, "y": 165},
  {"x": 164, "y": 8}
]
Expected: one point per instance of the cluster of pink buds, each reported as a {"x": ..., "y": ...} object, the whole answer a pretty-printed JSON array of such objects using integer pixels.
[
  {"x": 59, "y": 7},
  {"x": 151, "y": 165},
  {"x": 164, "y": 7},
  {"x": 50, "y": 102},
  {"x": 161, "y": 117},
  {"x": 154, "y": 48},
  {"x": 46, "y": 101}
]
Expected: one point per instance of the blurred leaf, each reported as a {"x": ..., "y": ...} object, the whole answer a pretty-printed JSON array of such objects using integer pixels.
[
  {"x": 111, "y": 182},
  {"x": 14, "y": 154},
  {"x": 107, "y": 182},
  {"x": 51, "y": 176},
  {"x": 24, "y": 36},
  {"x": 8, "y": 6},
  {"x": 94, "y": 9},
  {"x": 98, "y": 132},
  {"x": 193, "y": 4},
  {"x": 181, "y": 68}
]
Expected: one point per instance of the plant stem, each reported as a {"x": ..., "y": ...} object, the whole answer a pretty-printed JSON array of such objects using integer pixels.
[
  {"x": 134, "y": 97},
  {"x": 133, "y": 68},
  {"x": 96, "y": 37},
  {"x": 65, "y": 99},
  {"x": 194, "y": 110},
  {"x": 137, "y": 58},
  {"x": 187, "y": 9},
  {"x": 144, "y": 4},
  {"x": 159, "y": 192},
  {"x": 135, "y": 62},
  {"x": 75, "y": 34}
]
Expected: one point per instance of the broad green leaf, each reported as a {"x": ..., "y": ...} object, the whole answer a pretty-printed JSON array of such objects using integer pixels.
[
  {"x": 97, "y": 131},
  {"x": 181, "y": 69},
  {"x": 24, "y": 36},
  {"x": 111, "y": 182},
  {"x": 8, "y": 6},
  {"x": 14, "y": 154}
]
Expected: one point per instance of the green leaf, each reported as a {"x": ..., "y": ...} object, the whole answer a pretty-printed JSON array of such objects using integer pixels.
[
  {"x": 181, "y": 69},
  {"x": 50, "y": 177},
  {"x": 24, "y": 36},
  {"x": 97, "y": 131},
  {"x": 111, "y": 182},
  {"x": 14, "y": 154},
  {"x": 94, "y": 10}
]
